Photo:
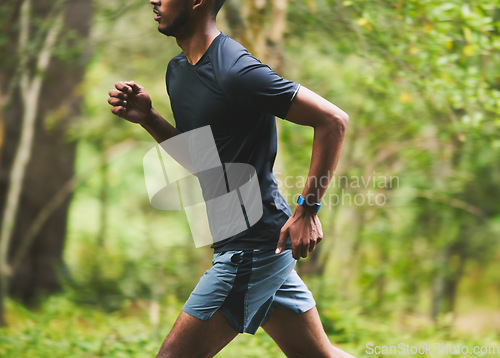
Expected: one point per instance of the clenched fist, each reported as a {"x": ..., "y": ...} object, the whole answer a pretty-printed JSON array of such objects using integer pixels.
[{"x": 131, "y": 102}]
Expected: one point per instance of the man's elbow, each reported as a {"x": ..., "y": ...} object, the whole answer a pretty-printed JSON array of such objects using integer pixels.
[
  {"x": 343, "y": 118},
  {"x": 339, "y": 121}
]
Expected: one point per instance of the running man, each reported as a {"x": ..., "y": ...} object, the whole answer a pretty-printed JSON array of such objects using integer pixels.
[{"x": 252, "y": 282}]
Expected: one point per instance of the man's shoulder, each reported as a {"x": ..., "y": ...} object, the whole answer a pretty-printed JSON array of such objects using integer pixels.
[
  {"x": 231, "y": 61},
  {"x": 230, "y": 45},
  {"x": 230, "y": 53},
  {"x": 177, "y": 59}
]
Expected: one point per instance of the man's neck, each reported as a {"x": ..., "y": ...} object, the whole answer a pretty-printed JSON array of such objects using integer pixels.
[{"x": 197, "y": 42}]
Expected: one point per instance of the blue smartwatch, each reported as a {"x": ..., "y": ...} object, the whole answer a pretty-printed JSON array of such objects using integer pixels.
[{"x": 306, "y": 204}]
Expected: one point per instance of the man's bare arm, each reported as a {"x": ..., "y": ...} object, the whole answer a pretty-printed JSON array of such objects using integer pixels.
[
  {"x": 131, "y": 102},
  {"x": 330, "y": 125}
]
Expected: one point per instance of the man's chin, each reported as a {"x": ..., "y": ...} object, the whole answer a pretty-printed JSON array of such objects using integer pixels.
[
  {"x": 163, "y": 31},
  {"x": 166, "y": 31},
  {"x": 176, "y": 27}
]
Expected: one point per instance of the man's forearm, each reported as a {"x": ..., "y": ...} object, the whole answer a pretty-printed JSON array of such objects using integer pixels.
[
  {"x": 159, "y": 128},
  {"x": 330, "y": 125},
  {"x": 327, "y": 145}
]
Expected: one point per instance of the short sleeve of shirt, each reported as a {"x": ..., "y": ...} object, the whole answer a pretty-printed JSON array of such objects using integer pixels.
[{"x": 254, "y": 85}]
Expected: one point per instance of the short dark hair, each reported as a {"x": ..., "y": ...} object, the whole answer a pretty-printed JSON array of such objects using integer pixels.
[{"x": 217, "y": 6}]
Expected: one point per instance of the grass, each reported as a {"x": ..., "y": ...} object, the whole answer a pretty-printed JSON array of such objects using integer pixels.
[{"x": 61, "y": 328}]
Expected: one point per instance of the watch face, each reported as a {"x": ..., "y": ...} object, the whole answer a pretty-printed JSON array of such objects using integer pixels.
[{"x": 304, "y": 203}]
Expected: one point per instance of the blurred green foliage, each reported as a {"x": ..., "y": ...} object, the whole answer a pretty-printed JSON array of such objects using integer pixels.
[{"x": 62, "y": 328}]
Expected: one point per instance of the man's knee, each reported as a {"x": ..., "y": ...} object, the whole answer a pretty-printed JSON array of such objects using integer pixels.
[
  {"x": 164, "y": 354},
  {"x": 166, "y": 350},
  {"x": 312, "y": 353},
  {"x": 169, "y": 351},
  {"x": 191, "y": 337}
]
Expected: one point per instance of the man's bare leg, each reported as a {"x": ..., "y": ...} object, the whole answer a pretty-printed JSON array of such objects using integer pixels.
[
  {"x": 301, "y": 335},
  {"x": 191, "y": 337}
]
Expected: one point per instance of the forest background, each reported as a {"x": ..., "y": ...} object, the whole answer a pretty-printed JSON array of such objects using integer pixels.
[{"x": 411, "y": 220}]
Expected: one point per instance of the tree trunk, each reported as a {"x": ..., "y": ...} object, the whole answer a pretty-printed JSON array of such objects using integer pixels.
[
  {"x": 47, "y": 154},
  {"x": 453, "y": 259}
]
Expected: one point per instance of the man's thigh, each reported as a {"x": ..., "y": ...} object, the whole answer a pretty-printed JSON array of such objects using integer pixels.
[
  {"x": 301, "y": 334},
  {"x": 191, "y": 337}
]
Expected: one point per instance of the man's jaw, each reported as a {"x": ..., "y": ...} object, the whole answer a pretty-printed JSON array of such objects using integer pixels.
[{"x": 175, "y": 27}]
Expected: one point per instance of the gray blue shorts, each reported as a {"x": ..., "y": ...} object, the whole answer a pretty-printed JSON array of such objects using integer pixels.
[{"x": 246, "y": 286}]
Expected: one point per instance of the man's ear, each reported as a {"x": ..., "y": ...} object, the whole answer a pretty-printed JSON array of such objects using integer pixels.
[{"x": 199, "y": 3}]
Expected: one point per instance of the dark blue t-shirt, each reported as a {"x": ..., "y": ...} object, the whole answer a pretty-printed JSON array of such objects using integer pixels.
[{"x": 239, "y": 97}]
